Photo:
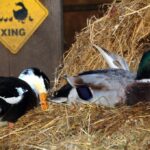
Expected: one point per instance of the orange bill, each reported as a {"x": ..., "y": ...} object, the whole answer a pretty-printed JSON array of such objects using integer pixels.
[{"x": 43, "y": 101}]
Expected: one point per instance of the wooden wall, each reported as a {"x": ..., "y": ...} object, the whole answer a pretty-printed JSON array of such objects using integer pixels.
[
  {"x": 42, "y": 50},
  {"x": 73, "y": 2},
  {"x": 76, "y": 19}
]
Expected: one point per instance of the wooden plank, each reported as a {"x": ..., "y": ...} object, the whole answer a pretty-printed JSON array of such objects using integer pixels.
[
  {"x": 4, "y": 61},
  {"x": 75, "y": 2},
  {"x": 70, "y": 30},
  {"x": 78, "y": 7},
  {"x": 44, "y": 48}
]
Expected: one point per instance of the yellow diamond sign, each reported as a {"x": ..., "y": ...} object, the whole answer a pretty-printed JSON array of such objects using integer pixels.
[{"x": 18, "y": 20}]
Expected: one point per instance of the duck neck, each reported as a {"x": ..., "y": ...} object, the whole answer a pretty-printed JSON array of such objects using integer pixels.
[
  {"x": 22, "y": 6},
  {"x": 29, "y": 80},
  {"x": 144, "y": 67}
]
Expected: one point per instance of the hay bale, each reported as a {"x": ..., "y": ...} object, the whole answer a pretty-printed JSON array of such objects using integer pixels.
[
  {"x": 79, "y": 127},
  {"x": 124, "y": 29}
]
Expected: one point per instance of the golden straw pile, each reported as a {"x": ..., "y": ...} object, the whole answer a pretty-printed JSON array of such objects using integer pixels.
[
  {"x": 80, "y": 127},
  {"x": 124, "y": 30}
]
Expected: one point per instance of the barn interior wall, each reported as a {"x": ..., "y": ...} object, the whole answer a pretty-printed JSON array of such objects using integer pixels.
[{"x": 75, "y": 20}]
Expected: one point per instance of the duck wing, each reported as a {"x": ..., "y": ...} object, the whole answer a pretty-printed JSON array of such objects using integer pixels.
[
  {"x": 105, "y": 87},
  {"x": 12, "y": 89},
  {"x": 101, "y": 77},
  {"x": 16, "y": 97}
]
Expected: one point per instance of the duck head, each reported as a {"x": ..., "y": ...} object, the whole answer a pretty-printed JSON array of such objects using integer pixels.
[
  {"x": 144, "y": 67},
  {"x": 39, "y": 83},
  {"x": 20, "y": 4},
  {"x": 114, "y": 61}
]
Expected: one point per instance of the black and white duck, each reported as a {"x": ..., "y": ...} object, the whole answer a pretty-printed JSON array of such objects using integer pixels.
[{"x": 18, "y": 95}]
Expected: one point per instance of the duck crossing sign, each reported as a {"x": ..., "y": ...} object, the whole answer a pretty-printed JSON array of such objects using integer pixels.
[{"x": 18, "y": 20}]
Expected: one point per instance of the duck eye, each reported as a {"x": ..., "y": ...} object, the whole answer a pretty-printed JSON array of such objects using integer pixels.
[{"x": 26, "y": 72}]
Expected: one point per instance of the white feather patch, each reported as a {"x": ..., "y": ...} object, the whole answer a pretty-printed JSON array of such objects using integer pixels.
[
  {"x": 21, "y": 90},
  {"x": 107, "y": 57},
  {"x": 144, "y": 81},
  {"x": 35, "y": 82},
  {"x": 12, "y": 100},
  {"x": 15, "y": 100}
]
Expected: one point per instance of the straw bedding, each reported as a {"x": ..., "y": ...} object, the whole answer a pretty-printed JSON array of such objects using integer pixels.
[
  {"x": 125, "y": 30},
  {"x": 80, "y": 127}
]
